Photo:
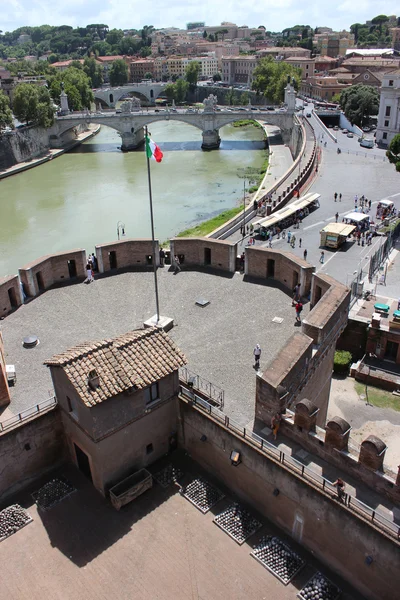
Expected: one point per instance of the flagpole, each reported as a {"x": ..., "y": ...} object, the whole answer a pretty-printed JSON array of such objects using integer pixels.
[{"x": 152, "y": 231}]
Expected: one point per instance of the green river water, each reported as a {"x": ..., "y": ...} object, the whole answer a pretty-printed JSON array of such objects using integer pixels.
[{"x": 76, "y": 200}]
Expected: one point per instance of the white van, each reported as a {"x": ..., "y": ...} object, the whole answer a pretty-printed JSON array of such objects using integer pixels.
[{"x": 367, "y": 143}]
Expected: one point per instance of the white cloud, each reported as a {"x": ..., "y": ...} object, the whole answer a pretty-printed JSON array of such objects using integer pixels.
[{"x": 273, "y": 15}]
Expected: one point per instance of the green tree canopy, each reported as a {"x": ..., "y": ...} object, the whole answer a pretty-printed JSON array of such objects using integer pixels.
[
  {"x": 119, "y": 72},
  {"x": 33, "y": 104},
  {"x": 177, "y": 91},
  {"x": 359, "y": 102},
  {"x": 192, "y": 73},
  {"x": 393, "y": 152},
  {"x": 94, "y": 71},
  {"x": 270, "y": 78},
  {"x": 6, "y": 118},
  {"x": 77, "y": 86},
  {"x": 217, "y": 77}
]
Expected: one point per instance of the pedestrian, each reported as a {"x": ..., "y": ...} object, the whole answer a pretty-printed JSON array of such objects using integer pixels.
[
  {"x": 340, "y": 197},
  {"x": 257, "y": 355},
  {"x": 300, "y": 240},
  {"x": 289, "y": 235},
  {"x": 88, "y": 273},
  {"x": 242, "y": 257},
  {"x": 322, "y": 257},
  {"x": 162, "y": 257},
  {"x": 305, "y": 254},
  {"x": 275, "y": 424},
  {"x": 335, "y": 196},
  {"x": 398, "y": 304},
  {"x": 340, "y": 486},
  {"x": 337, "y": 216},
  {"x": 299, "y": 308},
  {"x": 270, "y": 243},
  {"x": 296, "y": 294},
  {"x": 94, "y": 263},
  {"x": 177, "y": 264}
]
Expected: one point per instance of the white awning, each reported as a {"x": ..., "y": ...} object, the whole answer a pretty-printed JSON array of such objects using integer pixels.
[
  {"x": 287, "y": 211},
  {"x": 358, "y": 217}
]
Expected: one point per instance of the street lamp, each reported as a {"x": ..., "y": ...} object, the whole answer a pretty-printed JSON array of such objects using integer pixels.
[{"x": 120, "y": 229}]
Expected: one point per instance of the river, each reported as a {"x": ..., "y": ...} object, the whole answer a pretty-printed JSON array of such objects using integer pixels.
[{"x": 76, "y": 200}]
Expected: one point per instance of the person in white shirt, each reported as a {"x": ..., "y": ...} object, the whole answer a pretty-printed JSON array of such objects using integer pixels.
[{"x": 257, "y": 355}]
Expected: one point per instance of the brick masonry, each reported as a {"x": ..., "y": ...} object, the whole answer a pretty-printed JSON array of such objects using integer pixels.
[
  {"x": 126, "y": 254},
  {"x": 10, "y": 294},
  {"x": 205, "y": 252},
  {"x": 42, "y": 274}
]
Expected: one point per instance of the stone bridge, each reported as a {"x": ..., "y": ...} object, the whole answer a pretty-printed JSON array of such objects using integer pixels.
[
  {"x": 110, "y": 96},
  {"x": 130, "y": 124}
]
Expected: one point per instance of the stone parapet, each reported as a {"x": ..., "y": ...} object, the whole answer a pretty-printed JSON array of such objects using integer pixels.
[
  {"x": 127, "y": 254},
  {"x": 43, "y": 273},
  {"x": 10, "y": 294},
  {"x": 205, "y": 252}
]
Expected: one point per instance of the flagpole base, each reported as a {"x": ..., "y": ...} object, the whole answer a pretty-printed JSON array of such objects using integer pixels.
[{"x": 164, "y": 323}]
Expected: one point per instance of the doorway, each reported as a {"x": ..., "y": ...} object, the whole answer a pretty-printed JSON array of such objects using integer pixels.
[
  {"x": 39, "y": 280},
  {"x": 83, "y": 462},
  {"x": 12, "y": 298},
  {"x": 113, "y": 259},
  {"x": 207, "y": 256},
  {"x": 391, "y": 350},
  {"x": 72, "y": 269},
  {"x": 270, "y": 267},
  {"x": 295, "y": 279}
]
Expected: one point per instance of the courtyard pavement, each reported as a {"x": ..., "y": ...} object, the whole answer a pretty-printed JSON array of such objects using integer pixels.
[
  {"x": 159, "y": 547},
  {"x": 218, "y": 340}
]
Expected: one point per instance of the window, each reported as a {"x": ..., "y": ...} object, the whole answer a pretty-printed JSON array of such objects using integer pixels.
[
  {"x": 71, "y": 407},
  {"x": 152, "y": 393},
  {"x": 384, "y": 136},
  {"x": 387, "y": 112},
  {"x": 390, "y": 82},
  {"x": 386, "y": 123}
]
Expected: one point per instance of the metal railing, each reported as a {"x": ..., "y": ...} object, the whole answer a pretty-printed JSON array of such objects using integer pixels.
[
  {"x": 300, "y": 470},
  {"x": 27, "y": 414},
  {"x": 208, "y": 389}
]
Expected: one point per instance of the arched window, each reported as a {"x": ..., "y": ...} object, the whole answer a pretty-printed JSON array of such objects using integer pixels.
[{"x": 111, "y": 98}]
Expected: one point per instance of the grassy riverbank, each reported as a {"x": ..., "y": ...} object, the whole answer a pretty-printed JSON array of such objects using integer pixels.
[
  {"x": 246, "y": 122},
  {"x": 203, "y": 229}
]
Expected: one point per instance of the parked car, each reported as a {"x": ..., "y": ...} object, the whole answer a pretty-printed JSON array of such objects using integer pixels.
[
  {"x": 336, "y": 128},
  {"x": 350, "y": 135},
  {"x": 345, "y": 131},
  {"x": 308, "y": 115},
  {"x": 366, "y": 129},
  {"x": 366, "y": 143}
]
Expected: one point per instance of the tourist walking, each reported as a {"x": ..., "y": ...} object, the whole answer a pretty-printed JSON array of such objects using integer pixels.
[
  {"x": 300, "y": 240},
  {"x": 94, "y": 263},
  {"x": 337, "y": 216},
  {"x": 340, "y": 197},
  {"x": 340, "y": 486},
  {"x": 177, "y": 264},
  {"x": 89, "y": 276},
  {"x": 305, "y": 254},
  {"x": 322, "y": 257},
  {"x": 299, "y": 308},
  {"x": 162, "y": 257},
  {"x": 335, "y": 196},
  {"x": 275, "y": 424},
  {"x": 257, "y": 355},
  {"x": 289, "y": 235}
]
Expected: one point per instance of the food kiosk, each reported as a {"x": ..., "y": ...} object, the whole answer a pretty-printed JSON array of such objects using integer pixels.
[{"x": 335, "y": 234}]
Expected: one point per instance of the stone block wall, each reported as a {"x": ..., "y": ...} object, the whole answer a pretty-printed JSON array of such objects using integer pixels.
[
  {"x": 205, "y": 252},
  {"x": 29, "y": 450},
  {"x": 47, "y": 271},
  {"x": 284, "y": 267},
  {"x": 10, "y": 294},
  {"x": 126, "y": 254},
  {"x": 326, "y": 527}
]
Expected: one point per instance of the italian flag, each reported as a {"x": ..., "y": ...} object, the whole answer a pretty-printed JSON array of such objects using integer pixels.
[{"x": 152, "y": 150}]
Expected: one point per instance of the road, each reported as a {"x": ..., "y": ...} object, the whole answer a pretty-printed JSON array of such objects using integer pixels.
[{"x": 355, "y": 171}]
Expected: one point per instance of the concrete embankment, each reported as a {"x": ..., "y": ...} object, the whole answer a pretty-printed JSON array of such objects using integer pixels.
[{"x": 49, "y": 154}]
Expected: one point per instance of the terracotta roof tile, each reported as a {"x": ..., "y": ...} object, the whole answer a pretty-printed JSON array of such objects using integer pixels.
[{"x": 135, "y": 359}]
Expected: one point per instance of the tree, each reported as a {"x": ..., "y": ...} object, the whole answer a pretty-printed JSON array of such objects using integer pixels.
[
  {"x": 336, "y": 98},
  {"x": 114, "y": 36},
  {"x": 148, "y": 75},
  {"x": 393, "y": 152},
  {"x": 217, "y": 77},
  {"x": 244, "y": 98},
  {"x": 359, "y": 102},
  {"x": 33, "y": 104},
  {"x": 119, "y": 72},
  {"x": 77, "y": 86},
  {"x": 270, "y": 78},
  {"x": 169, "y": 91},
  {"x": 181, "y": 89},
  {"x": 94, "y": 71},
  {"x": 6, "y": 117},
  {"x": 192, "y": 73}
]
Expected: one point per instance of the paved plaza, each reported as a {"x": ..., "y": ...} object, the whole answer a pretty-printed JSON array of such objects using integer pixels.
[
  {"x": 159, "y": 547},
  {"x": 218, "y": 340}
]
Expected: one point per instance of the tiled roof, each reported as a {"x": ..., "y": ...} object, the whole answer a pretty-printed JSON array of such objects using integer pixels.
[{"x": 136, "y": 359}]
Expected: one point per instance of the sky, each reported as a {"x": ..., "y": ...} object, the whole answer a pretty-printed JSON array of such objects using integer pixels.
[{"x": 275, "y": 15}]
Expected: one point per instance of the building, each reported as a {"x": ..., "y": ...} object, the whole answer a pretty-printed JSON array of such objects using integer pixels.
[
  {"x": 334, "y": 44},
  {"x": 306, "y": 65},
  {"x": 322, "y": 87},
  {"x": 325, "y": 63},
  {"x": 118, "y": 400},
  {"x": 139, "y": 68},
  {"x": 389, "y": 109},
  {"x": 395, "y": 32},
  {"x": 239, "y": 70},
  {"x": 106, "y": 63}
]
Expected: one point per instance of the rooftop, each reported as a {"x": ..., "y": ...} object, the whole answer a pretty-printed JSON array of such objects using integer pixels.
[
  {"x": 217, "y": 340},
  {"x": 135, "y": 359}
]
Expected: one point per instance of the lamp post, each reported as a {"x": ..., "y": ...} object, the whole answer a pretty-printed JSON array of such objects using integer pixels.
[{"x": 120, "y": 229}]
